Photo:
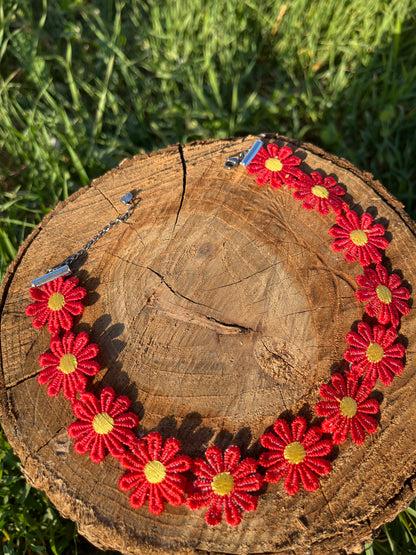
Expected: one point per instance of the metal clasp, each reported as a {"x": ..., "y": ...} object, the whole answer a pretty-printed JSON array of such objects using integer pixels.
[
  {"x": 127, "y": 199},
  {"x": 61, "y": 271},
  {"x": 244, "y": 158},
  {"x": 234, "y": 161}
]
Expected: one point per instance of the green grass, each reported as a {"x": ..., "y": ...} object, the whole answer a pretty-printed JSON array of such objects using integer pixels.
[
  {"x": 83, "y": 85},
  {"x": 29, "y": 523}
]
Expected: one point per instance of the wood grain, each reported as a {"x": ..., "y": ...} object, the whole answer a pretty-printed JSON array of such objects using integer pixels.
[{"x": 218, "y": 307}]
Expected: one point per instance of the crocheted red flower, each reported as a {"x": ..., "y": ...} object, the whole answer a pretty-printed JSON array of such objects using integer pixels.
[
  {"x": 375, "y": 353},
  {"x": 68, "y": 365},
  {"x": 155, "y": 473},
  {"x": 324, "y": 193},
  {"x": 296, "y": 453},
  {"x": 276, "y": 165},
  {"x": 386, "y": 299},
  {"x": 223, "y": 483},
  {"x": 103, "y": 425},
  {"x": 347, "y": 408},
  {"x": 360, "y": 238},
  {"x": 55, "y": 302}
]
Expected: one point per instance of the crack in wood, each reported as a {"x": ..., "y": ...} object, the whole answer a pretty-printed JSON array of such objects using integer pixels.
[
  {"x": 198, "y": 319},
  {"x": 341, "y": 275},
  {"x": 54, "y": 436},
  {"x": 281, "y": 396},
  {"x": 194, "y": 317},
  {"x": 308, "y": 310},
  {"x": 183, "y": 162},
  {"x": 396, "y": 498},
  {"x": 243, "y": 278},
  {"x": 21, "y": 380},
  {"x": 162, "y": 279},
  {"x": 105, "y": 197},
  {"x": 242, "y": 329},
  {"x": 176, "y": 293},
  {"x": 328, "y": 504},
  {"x": 283, "y": 359},
  {"x": 126, "y": 261},
  {"x": 136, "y": 232}
]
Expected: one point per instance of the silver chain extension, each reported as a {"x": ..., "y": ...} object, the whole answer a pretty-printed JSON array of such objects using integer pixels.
[
  {"x": 63, "y": 268},
  {"x": 125, "y": 200}
]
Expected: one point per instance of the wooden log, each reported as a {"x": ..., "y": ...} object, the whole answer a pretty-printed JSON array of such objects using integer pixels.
[{"x": 218, "y": 307}]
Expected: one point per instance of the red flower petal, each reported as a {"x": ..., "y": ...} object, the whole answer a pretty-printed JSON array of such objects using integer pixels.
[
  {"x": 338, "y": 423},
  {"x": 68, "y": 364},
  {"x": 113, "y": 436},
  {"x": 276, "y": 165},
  {"x": 386, "y": 299},
  {"x": 240, "y": 477},
  {"x": 171, "y": 485},
  {"x": 57, "y": 313},
  {"x": 302, "y": 468},
  {"x": 360, "y": 238}
]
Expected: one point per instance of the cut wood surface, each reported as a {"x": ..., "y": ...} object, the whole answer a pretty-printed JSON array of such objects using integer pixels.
[{"x": 218, "y": 307}]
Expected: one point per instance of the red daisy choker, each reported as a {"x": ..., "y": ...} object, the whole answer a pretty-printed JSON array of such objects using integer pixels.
[{"x": 156, "y": 472}]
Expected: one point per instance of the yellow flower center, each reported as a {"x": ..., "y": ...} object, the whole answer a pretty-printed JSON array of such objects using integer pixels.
[
  {"x": 274, "y": 164},
  {"x": 68, "y": 363},
  {"x": 348, "y": 407},
  {"x": 155, "y": 472},
  {"x": 319, "y": 191},
  {"x": 103, "y": 423},
  {"x": 56, "y": 301},
  {"x": 294, "y": 452},
  {"x": 374, "y": 352},
  {"x": 223, "y": 483},
  {"x": 359, "y": 237},
  {"x": 384, "y": 294}
]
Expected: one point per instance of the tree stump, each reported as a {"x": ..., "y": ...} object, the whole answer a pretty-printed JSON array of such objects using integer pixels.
[{"x": 218, "y": 307}]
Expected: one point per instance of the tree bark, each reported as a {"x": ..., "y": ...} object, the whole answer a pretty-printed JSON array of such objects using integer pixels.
[{"x": 218, "y": 307}]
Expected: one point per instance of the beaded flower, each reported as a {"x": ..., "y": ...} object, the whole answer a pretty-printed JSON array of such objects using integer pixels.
[
  {"x": 320, "y": 192},
  {"x": 374, "y": 352},
  {"x": 347, "y": 408},
  {"x": 68, "y": 365},
  {"x": 224, "y": 483},
  {"x": 385, "y": 298},
  {"x": 276, "y": 165},
  {"x": 360, "y": 237},
  {"x": 55, "y": 303},
  {"x": 103, "y": 425},
  {"x": 296, "y": 453},
  {"x": 155, "y": 473}
]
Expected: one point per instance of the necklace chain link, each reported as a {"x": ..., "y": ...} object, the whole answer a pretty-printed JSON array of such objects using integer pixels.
[{"x": 63, "y": 268}]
